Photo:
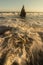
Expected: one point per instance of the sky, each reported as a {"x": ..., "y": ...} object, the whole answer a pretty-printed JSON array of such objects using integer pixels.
[{"x": 16, "y": 5}]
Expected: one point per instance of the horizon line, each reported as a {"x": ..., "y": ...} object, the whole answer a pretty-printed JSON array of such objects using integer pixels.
[{"x": 20, "y": 11}]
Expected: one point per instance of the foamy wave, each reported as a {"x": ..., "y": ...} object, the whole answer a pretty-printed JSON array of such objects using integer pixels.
[{"x": 22, "y": 44}]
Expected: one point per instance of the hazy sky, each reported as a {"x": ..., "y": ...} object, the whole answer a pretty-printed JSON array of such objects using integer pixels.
[{"x": 16, "y": 5}]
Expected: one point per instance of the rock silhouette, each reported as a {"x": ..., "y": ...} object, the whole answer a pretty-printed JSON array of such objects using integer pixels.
[
  {"x": 23, "y": 13},
  {"x": 3, "y": 29}
]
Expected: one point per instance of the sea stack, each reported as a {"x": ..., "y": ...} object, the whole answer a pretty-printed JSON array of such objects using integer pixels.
[{"x": 23, "y": 13}]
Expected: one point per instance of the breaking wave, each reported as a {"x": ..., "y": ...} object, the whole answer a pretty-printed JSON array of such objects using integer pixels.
[{"x": 21, "y": 44}]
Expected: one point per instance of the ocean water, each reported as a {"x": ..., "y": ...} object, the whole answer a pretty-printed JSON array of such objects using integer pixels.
[
  {"x": 22, "y": 42},
  {"x": 32, "y": 19}
]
